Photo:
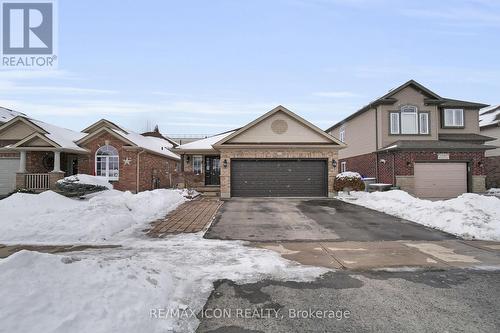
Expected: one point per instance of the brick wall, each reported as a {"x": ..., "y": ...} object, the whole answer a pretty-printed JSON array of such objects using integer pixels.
[
  {"x": 35, "y": 161},
  {"x": 492, "y": 171},
  {"x": 385, "y": 168},
  {"x": 150, "y": 165},
  {"x": 363, "y": 164},
  {"x": 228, "y": 154},
  {"x": 404, "y": 168},
  {"x": 188, "y": 166}
]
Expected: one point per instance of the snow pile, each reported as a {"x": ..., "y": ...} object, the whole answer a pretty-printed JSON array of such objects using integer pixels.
[
  {"x": 108, "y": 216},
  {"x": 115, "y": 290},
  {"x": 348, "y": 174},
  {"x": 493, "y": 191},
  {"x": 470, "y": 216},
  {"x": 87, "y": 180},
  {"x": 188, "y": 193}
]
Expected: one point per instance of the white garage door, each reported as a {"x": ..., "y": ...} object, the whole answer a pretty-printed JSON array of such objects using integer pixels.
[
  {"x": 8, "y": 168},
  {"x": 440, "y": 180}
]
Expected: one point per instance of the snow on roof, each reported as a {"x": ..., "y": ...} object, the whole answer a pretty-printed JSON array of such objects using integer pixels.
[
  {"x": 157, "y": 145},
  {"x": 7, "y": 114},
  {"x": 204, "y": 144},
  {"x": 489, "y": 115},
  {"x": 62, "y": 136}
]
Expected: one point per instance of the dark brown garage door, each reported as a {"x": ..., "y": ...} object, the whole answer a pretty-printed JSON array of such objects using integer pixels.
[{"x": 279, "y": 178}]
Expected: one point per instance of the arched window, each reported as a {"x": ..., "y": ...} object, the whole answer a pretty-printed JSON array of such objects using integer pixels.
[{"x": 107, "y": 162}]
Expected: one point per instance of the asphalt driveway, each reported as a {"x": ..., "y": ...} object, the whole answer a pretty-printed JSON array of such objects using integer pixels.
[{"x": 285, "y": 219}]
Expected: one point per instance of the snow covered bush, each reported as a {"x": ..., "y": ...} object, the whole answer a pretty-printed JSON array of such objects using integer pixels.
[
  {"x": 82, "y": 184},
  {"x": 348, "y": 181}
]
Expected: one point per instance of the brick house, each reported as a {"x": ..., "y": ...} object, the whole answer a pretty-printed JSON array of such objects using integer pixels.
[
  {"x": 278, "y": 154},
  {"x": 489, "y": 122},
  {"x": 34, "y": 155},
  {"x": 411, "y": 137}
]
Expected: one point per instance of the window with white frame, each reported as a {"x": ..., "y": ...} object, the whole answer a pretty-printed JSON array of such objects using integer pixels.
[
  {"x": 409, "y": 121},
  {"x": 342, "y": 134},
  {"x": 343, "y": 166},
  {"x": 197, "y": 161},
  {"x": 453, "y": 117},
  {"x": 107, "y": 162}
]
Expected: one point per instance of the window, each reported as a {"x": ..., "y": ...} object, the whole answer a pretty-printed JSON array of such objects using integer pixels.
[
  {"x": 107, "y": 162},
  {"x": 453, "y": 117},
  {"x": 197, "y": 164},
  {"x": 394, "y": 123},
  {"x": 424, "y": 123},
  {"x": 342, "y": 134},
  {"x": 343, "y": 166},
  {"x": 409, "y": 124}
]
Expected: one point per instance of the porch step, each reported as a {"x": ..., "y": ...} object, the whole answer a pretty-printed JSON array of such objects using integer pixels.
[{"x": 209, "y": 191}]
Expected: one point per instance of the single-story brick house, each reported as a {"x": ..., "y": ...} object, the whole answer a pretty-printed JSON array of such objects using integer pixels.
[
  {"x": 411, "y": 137},
  {"x": 278, "y": 154},
  {"x": 34, "y": 155}
]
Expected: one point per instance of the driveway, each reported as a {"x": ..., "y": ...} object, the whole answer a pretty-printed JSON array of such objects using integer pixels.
[{"x": 285, "y": 219}]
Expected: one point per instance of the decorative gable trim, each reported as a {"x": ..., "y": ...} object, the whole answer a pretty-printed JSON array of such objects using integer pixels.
[
  {"x": 104, "y": 130},
  {"x": 100, "y": 124}
]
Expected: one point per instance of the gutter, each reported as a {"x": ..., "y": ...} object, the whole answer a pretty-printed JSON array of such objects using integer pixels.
[{"x": 137, "y": 171}]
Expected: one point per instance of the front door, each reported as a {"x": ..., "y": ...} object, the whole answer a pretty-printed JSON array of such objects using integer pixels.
[{"x": 212, "y": 170}]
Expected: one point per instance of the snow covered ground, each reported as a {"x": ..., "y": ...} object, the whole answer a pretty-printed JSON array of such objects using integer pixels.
[
  {"x": 471, "y": 216},
  {"x": 116, "y": 289}
]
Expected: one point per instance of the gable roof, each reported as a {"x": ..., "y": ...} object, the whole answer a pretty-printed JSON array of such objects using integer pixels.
[
  {"x": 489, "y": 117},
  {"x": 57, "y": 136},
  {"x": 8, "y": 114},
  {"x": 204, "y": 144},
  {"x": 152, "y": 144},
  {"x": 387, "y": 99},
  {"x": 277, "y": 109}
]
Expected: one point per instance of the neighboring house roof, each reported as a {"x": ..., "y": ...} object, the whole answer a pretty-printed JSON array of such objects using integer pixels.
[
  {"x": 157, "y": 134},
  {"x": 490, "y": 116},
  {"x": 329, "y": 139},
  {"x": 152, "y": 144},
  {"x": 56, "y": 136},
  {"x": 8, "y": 114},
  {"x": 433, "y": 98},
  {"x": 434, "y": 145},
  {"x": 204, "y": 144},
  {"x": 464, "y": 137}
]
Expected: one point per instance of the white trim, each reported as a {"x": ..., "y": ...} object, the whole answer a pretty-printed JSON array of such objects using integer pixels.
[
  {"x": 343, "y": 166},
  {"x": 394, "y": 123},
  {"x": 106, "y": 160},
  {"x": 201, "y": 164},
  {"x": 456, "y": 121},
  {"x": 426, "y": 116},
  {"x": 342, "y": 134}
]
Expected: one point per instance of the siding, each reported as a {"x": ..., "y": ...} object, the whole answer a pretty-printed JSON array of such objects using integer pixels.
[{"x": 494, "y": 133}]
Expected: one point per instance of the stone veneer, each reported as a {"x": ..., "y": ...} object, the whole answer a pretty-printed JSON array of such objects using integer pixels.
[
  {"x": 318, "y": 153},
  {"x": 492, "y": 167}
]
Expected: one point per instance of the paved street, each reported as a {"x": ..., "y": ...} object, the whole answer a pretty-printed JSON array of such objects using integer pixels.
[{"x": 427, "y": 301}]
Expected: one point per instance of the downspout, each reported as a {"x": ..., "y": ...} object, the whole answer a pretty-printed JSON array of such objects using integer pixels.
[
  {"x": 137, "y": 172},
  {"x": 394, "y": 169},
  {"x": 376, "y": 144}
]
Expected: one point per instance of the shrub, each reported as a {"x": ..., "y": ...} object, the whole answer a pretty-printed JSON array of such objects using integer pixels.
[{"x": 348, "y": 181}]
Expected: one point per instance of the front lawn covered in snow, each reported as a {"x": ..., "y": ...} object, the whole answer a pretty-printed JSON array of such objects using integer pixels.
[
  {"x": 107, "y": 217},
  {"x": 471, "y": 216}
]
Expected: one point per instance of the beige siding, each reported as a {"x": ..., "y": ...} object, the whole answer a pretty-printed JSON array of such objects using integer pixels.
[
  {"x": 494, "y": 133},
  {"x": 17, "y": 131},
  {"x": 407, "y": 96},
  {"x": 359, "y": 135},
  {"x": 295, "y": 132},
  {"x": 471, "y": 118}
]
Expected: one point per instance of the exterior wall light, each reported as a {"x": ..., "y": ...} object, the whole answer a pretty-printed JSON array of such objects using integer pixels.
[
  {"x": 187, "y": 158},
  {"x": 334, "y": 164},
  {"x": 224, "y": 163}
]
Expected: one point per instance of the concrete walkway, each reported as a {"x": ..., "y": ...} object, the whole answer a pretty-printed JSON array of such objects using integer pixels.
[{"x": 350, "y": 255}]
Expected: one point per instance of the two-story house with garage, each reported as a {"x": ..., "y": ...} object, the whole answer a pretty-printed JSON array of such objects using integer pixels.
[{"x": 428, "y": 145}]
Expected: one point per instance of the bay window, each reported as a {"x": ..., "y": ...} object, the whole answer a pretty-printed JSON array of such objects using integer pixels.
[
  {"x": 107, "y": 162},
  {"x": 453, "y": 117}
]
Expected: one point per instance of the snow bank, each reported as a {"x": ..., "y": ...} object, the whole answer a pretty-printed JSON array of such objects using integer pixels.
[
  {"x": 470, "y": 216},
  {"x": 348, "y": 174},
  {"x": 50, "y": 218},
  {"x": 87, "y": 179},
  {"x": 114, "y": 290}
]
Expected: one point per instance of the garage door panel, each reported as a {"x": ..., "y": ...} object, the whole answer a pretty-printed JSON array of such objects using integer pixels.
[
  {"x": 280, "y": 178},
  {"x": 440, "y": 180},
  {"x": 8, "y": 168}
]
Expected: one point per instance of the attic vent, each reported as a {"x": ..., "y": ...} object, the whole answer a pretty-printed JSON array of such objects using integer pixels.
[{"x": 279, "y": 126}]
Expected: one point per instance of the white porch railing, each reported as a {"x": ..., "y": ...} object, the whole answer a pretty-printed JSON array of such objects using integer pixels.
[{"x": 36, "y": 181}]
